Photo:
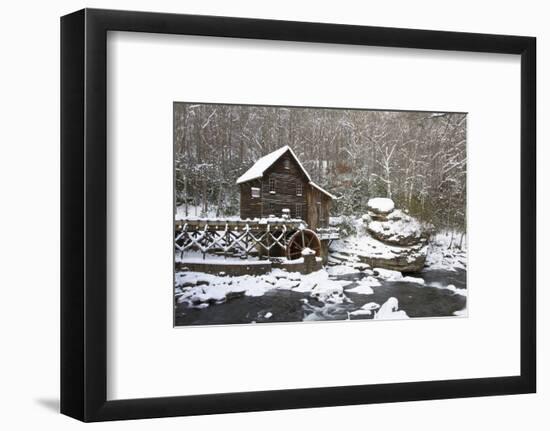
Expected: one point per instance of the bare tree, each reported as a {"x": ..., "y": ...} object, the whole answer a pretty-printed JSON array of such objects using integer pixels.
[{"x": 416, "y": 158}]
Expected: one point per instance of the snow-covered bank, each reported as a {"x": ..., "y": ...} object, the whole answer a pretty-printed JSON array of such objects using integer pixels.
[
  {"x": 323, "y": 293},
  {"x": 201, "y": 289},
  {"x": 362, "y": 247},
  {"x": 433, "y": 254},
  {"x": 396, "y": 241},
  {"x": 447, "y": 251},
  {"x": 373, "y": 261},
  {"x": 384, "y": 237}
]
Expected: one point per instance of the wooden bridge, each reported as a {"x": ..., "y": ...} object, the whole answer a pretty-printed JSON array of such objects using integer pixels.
[{"x": 270, "y": 237}]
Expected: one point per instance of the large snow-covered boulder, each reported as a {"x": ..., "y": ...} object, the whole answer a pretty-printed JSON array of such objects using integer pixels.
[
  {"x": 385, "y": 237},
  {"x": 366, "y": 249},
  {"x": 380, "y": 205},
  {"x": 398, "y": 229}
]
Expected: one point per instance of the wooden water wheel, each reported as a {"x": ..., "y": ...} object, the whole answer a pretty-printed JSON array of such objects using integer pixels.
[{"x": 301, "y": 239}]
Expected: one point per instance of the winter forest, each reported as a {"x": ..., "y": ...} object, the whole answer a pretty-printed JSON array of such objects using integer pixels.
[
  {"x": 383, "y": 234},
  {"x": 418, "y": 159}
]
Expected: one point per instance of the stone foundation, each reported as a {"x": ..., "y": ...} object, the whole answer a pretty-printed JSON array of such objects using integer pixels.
[
  {"x": 305, "y": 265},
  {"x": 259, "y": 268}
]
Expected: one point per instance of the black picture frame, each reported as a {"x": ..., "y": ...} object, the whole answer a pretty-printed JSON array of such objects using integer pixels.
[{"x": 84, "y": 214}]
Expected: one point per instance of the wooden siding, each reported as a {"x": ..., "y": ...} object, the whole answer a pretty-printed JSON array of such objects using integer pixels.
[
  {"x": 285, "y": 188},
  {"x": 312, "y": 201},
  {"x": 250, "y": 207},
  {"x": 318, "y": 208}
]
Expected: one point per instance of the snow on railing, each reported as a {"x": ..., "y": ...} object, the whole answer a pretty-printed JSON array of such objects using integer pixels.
[
  {"x": 240, "y": 239},
  {"x": 328, "y": 233}
]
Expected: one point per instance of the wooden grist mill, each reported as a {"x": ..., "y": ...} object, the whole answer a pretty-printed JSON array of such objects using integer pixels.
[{"x": 283, "y": 214}]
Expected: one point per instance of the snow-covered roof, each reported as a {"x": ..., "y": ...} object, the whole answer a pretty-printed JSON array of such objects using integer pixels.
[
  {"x": 322, "y": 190},
  {"x": 257, "y": 170}
]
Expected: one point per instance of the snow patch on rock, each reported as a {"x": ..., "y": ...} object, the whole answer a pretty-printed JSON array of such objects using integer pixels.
[
  {"x": 365, "y": 286},
  {"x": 405, "y": 250},
  {"x": 390, "y": 311},
  {"x": 200, "y": 289},
  {"x": 361, "y": 312},
  {"x": 461, "y": 313},
  {"x": 341, "y": 270},
  {"x": 451, "y": 287},
  {"x": 416, "y": 280},
  {"x": 381, "y": 205},
  {"x": 307, "y": 251},
  {"x": 388, "y": 274},
  {"x": 398, "y": 229}
]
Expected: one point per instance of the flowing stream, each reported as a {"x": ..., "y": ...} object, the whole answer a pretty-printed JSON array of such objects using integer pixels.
[{"x": 431, "y": 299}]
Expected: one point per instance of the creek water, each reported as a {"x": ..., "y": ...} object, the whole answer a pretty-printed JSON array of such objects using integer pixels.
[{"x": 430, "y": 299}]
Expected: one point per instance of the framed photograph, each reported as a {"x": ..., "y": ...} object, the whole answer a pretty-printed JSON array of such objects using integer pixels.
[
  {"x": 262, "y": 215},
  {"x": 259, "y": 238}
]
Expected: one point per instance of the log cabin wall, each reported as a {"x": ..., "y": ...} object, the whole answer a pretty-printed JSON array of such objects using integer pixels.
[
  {"x": 250, "y": 207},
  {"x": 318, "y": 205},
  {"x": 284, "y": 185}
]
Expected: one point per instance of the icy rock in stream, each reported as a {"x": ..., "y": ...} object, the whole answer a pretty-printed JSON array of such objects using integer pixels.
[
  {"x": 341, "y": 270},
  {"x": 364, "y": 286},
  {"x": 390, "y": 311},
  {"x": 322, "y": 288},
  {"x": 366, "y": 310},
  {"x": 361, "y": 312}
]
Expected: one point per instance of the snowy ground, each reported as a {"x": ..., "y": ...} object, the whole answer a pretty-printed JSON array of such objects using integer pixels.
[
  {"x": 346, "y": 291},
  {"x": 357, "y": 246},
  {"x": 445, "y": 252}
]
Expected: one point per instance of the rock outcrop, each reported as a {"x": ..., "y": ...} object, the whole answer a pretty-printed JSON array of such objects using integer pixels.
[
  {"x": 380, "y": 207},
  {"x": 387, "y": 238},
  {"x": 395, "y": 228}
]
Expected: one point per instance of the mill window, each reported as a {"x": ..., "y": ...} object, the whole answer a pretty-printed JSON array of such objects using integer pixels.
[
  {"x": 272, "y": 185},
  {"x": 299, "y": 189},
  {"x": 298, "y": 212},
  {"x": 255, "y": 192}
]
